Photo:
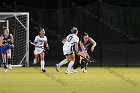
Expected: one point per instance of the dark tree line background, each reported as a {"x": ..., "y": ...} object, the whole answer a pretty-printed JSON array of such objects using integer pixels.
[{"x": 113, "y": 24}]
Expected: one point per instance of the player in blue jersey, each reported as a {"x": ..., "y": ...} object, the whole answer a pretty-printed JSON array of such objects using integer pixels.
[
  {"x": 1, "y": 46},
  {"x": 84, "y": 43},
  {"x": 7, "y": 41},
  {"x": 2, "y": 52}
]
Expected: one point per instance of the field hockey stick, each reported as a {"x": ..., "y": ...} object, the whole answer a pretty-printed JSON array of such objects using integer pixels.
[
  {"x": 36, "y": 45},
  {"x": 82, "y": 56},
  {"x": 32, "y": 43},
  {"x": 86, "y": 58}
]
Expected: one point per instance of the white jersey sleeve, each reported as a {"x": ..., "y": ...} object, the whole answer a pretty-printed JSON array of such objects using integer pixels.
[
  {"x": 36, "y": 38},
  {"x": 76, "y": 39},
  {"x": 45, "y": 39}
]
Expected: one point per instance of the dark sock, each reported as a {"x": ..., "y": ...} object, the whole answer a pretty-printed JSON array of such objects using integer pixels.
[
  {"x": 5, "y": 67},
  {"x": 86, "y": 63},
  {"x": 9, "y": 61},
  {"x": 82, "y": 63},
  {"x": 76, "y": 65}
]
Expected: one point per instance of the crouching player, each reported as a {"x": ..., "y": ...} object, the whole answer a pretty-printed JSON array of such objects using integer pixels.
[
  {"x": 7, "y": 41},
  {"x": 39, "y": 42},
  {"x": 85, "y": 41}
]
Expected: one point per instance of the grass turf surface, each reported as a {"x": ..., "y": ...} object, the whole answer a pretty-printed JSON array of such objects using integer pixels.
[{"x": 96, "y": 80}]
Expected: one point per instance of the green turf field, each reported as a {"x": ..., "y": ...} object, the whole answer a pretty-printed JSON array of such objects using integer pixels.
[{"x": 96, "y": 80}]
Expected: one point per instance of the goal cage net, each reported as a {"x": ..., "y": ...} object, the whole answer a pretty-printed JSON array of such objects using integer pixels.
[{"x": 18, "y": 24}]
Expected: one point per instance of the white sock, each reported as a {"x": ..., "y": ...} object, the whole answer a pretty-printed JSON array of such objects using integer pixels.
[
  {"x": 70, "y": 65},
  {"x": 62, "y": 62},
  {"x": 34, "y": 61},
  {"x": 42, "y": 64}
]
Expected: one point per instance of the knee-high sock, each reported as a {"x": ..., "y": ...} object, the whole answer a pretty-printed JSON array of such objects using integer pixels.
[
  {"x": 35, "y": 61},
  {"x": 70, "y": 65},
  {"x": 82, "y": 63},
  {"x": 5, "y": 67},
  {"x": 42, "y": 64},
  {"x": 9, "y": 61},
  {"x": 62, "y": 62}
]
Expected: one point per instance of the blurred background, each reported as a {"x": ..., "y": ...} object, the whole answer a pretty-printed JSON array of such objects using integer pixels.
[{"x": 113, "y": 24}]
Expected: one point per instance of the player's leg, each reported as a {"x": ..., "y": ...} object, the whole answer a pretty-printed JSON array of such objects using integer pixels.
[
  {"x": 68, "y": 57},
  {"x": 42, "y": 63},
  {"x": 84, "y": 63},
  {"x": 63, "y": 62},
  {"x": 66, "y": 52},
  {"x": 0, "y": 56},
  {"x": 78, "y": 64},
  {"x": 36, "y": 58},
  {"x": 4, "y": 61},
  {"x": 1, "y": 52},
  {"x": 9, "y": 58}
]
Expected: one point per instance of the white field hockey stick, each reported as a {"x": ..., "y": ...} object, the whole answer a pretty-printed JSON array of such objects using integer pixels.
[{"x": 34, "y": 44}]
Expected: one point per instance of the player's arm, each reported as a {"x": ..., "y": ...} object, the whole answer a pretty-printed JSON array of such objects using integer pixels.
[
  {"x": 64, "y": 40},
  {"x": 35, "y": 41},
  {"x": 93, "y": 43},
  {"x": 1, "y": 41},
  {"x": 76, "y": 44},
  {"x": 76, "y": 47},
  {"x": 82, "y": 46},
  {"x": 12, "y": 40},
  {"x": 47, "y": 45}
]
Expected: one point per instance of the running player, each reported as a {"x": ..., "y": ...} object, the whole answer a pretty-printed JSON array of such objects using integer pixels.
[
  {"x": 1, "y": 52},
  {"x": 7, "y": 41},
  {"x": 85, "y": 41},
  {"x": 39, "y": 42},
  {"x": 69, "y": 42}
]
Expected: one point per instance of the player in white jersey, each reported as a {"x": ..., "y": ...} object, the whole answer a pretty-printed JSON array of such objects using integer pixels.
[
  {"x": 69, "y": 42},
  {"x": 39, "y": 42}
]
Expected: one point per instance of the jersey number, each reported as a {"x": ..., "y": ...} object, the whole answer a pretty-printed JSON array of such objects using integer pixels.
[{"x": 70, "y": 38}]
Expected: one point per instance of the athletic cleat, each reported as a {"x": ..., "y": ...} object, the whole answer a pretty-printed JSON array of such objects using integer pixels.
[
  {"x": 68, "y": 72},
  {"x": 43, "y": 70},
  {"x": 74, "y": 71},
  {"x": 34, "y": 64},
  {"x": 10, "y": 67},
  {"x": 5, "y": 70},
  {"x": 57, "y": 68},
  {"x": 83, "y": 70}
]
